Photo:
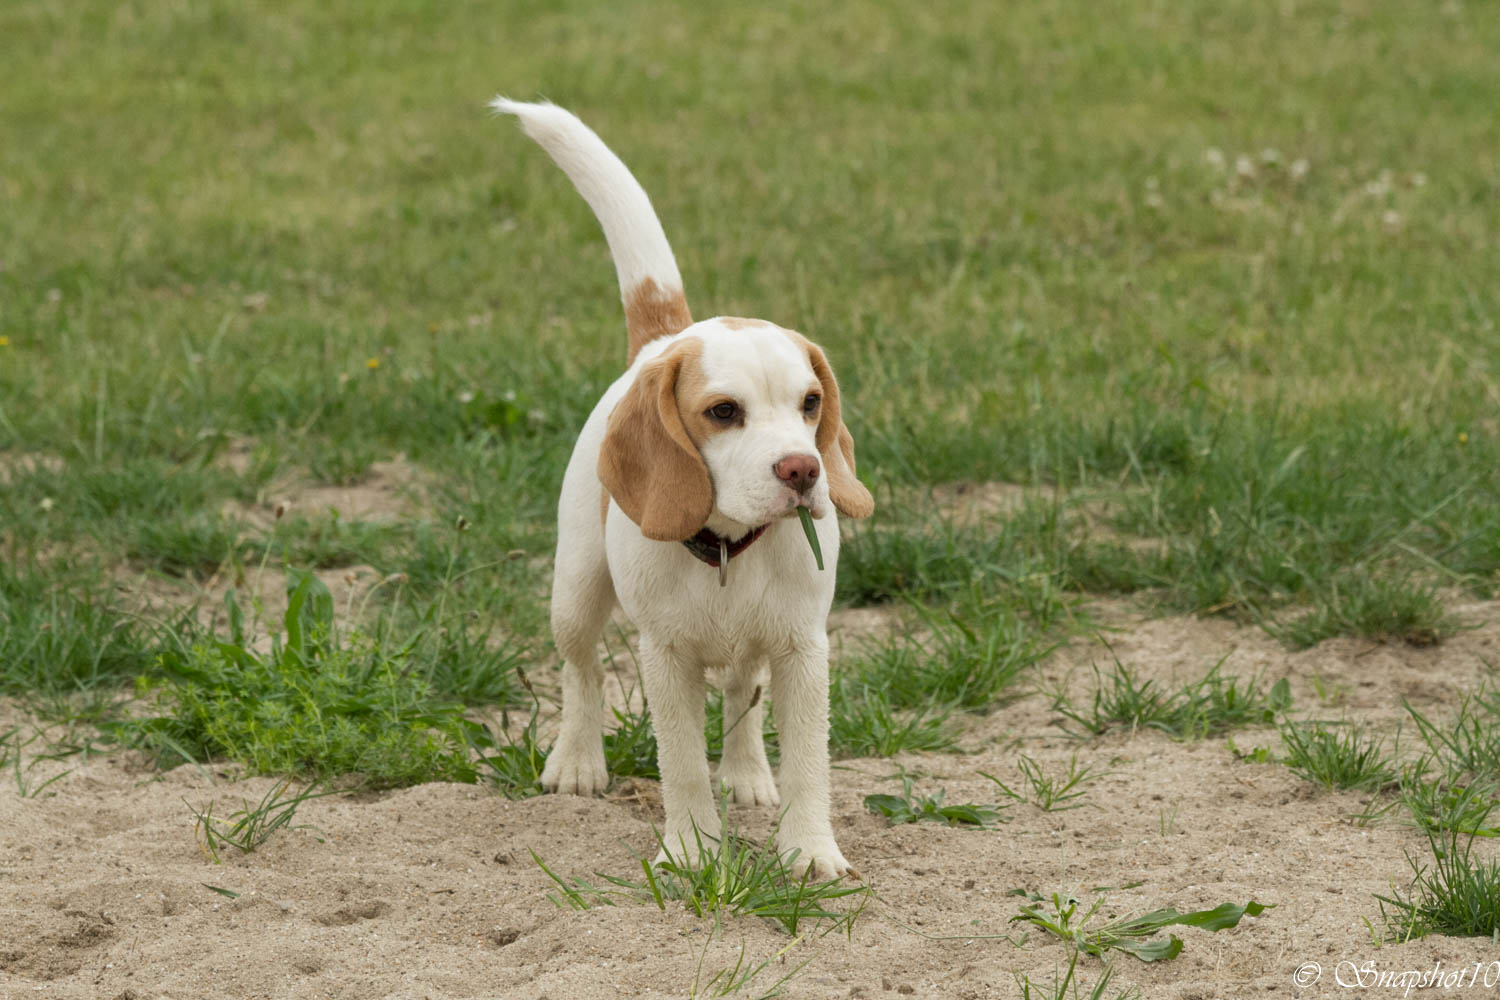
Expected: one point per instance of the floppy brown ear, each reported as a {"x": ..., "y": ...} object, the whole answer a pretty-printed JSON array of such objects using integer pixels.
[
  {"x": 648, "y": 463},
  {"x": 836, "y": 445}
]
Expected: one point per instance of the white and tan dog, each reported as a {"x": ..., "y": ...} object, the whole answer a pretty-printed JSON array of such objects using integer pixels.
[{"x": 680, "y": 501}]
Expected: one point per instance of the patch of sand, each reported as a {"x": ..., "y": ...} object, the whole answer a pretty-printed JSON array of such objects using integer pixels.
[
  {"x": 387, "y": 491},
  {"x": 431, "y": 891},
  {"x": 26, "y": 463}
]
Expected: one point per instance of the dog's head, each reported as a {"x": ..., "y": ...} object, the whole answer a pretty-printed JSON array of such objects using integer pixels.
[{"x": 738, "y": 418}]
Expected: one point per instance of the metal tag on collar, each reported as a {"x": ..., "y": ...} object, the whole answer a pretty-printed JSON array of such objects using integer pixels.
[{"x": 723, "y": 562}]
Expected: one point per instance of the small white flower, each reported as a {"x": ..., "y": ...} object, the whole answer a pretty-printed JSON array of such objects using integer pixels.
[
  {"x": 1299, "y": 169},
  {"x": 466, "y": 396},
  {"x": 1244, "y": 167},
  {"x": 1380, "y": 186},
  {"x": 1214, "y": 157},
  {"x": 1270, "y": 157},
  {"x": 1418, "y": 179},
  {"x": 47, "y": 503},
  {"x": 1392, "y": 219}
]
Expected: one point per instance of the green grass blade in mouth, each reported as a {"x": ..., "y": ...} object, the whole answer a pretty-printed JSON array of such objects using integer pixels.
[{"x": 812, "y": 535}]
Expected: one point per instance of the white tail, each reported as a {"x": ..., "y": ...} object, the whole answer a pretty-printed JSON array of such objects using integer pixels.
[{"x": 650, "y": 284}]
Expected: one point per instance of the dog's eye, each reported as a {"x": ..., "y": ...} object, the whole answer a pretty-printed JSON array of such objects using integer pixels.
[
  {"x": 810, "y": 404},
  {"x": 724, "y": 411}
]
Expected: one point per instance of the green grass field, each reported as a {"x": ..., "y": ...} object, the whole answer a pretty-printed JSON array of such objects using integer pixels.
[{"x": 1214, "y": 283}]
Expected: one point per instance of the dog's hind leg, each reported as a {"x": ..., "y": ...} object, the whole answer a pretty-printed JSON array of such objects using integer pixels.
[
  {"x": 582, "y": 598},
  {"x": 744, "y": 769}
]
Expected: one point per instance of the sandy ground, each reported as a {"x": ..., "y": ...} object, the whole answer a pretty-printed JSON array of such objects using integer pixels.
[{"x": 431, "y": 891}]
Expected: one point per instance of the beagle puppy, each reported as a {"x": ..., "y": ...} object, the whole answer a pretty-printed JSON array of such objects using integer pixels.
[{"x": 680, "y": 502}]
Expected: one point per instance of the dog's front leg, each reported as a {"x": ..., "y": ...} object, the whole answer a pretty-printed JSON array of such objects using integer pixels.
[
  {"x": 799, "y": 696},
  {"x": 675, "y": 687}
]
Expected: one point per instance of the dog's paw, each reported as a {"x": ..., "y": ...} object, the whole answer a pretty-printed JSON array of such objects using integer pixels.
[
  {"x": 821, "y": 855},
  {"x": 573, "y": 770},
  {"x": 749, "y": 786}
]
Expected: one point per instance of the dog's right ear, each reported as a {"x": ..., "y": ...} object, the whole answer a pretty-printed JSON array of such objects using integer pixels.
[{"x": 648, "y": 463}]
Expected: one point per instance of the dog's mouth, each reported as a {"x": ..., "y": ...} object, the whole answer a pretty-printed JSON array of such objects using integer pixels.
[{"x": 799, "y": 502}]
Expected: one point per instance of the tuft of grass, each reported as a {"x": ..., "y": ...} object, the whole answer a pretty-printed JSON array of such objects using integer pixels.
[
  {"x": 1470, "y": 743},
  {"x": 630, "y": 747},
  {"x": 192, "y": 547},
  {"x": 1371, "y": 606},
  {"x": 476, "y": 667},
  {"x": 1212, "y": 705},
  {"x": 734, "y": 877},
  {"x": 513, "y": 762},
  {"x": 907, "y": 808},
  {"x": 314, "y": 705},
  {"x": 1446, "y": 803},
  {"x": 330, "y": 540},
  {"x": 1048, "y": 793},
  {"x": 971, "y": 661},
  {"x": 1034, "y": 559},
  {"x": 1455, "y": 894},
  {"x": 251, "y": 826},
  {"x": 1346, "y": 759},
  {"x": 345, "y": 464},
  {"x": 12, "y": 757},
  {"x": 731, "y": 980},
  {"x": 61, "y": 640},
  {"x": 862, "y": 723},
  {"x": 1132, "y": 935}
]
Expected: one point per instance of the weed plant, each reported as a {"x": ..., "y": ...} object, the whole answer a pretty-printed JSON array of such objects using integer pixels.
[
  {"x": 910, "y": 808},
  {"x": 1132, "y": 935}
]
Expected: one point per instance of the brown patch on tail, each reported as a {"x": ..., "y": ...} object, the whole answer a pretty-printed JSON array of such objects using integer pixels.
[{"x": 651, "y": 312}]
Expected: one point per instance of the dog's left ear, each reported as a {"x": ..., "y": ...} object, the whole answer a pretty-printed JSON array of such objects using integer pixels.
[{"x": 836, "y": 444}]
